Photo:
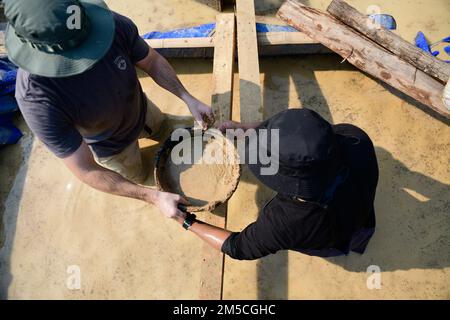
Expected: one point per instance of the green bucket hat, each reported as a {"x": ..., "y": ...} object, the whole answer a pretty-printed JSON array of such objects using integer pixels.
[{"x": 58, "y": 38}]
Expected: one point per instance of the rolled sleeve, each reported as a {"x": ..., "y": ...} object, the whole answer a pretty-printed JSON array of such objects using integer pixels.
[{"x": 138, "y": 49}]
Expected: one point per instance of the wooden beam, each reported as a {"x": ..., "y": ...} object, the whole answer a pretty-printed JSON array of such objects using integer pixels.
[
  {"x": 390, "y": 41},
  {"x": 225, "y": 45},
  {"x": 176, "y": 43},
  {"x": 249, "y": 78},
  {"x": 216, "y": 4},
  {"x": 269, "y": 44},
  {"x": 2, "y": 38},
  {"x": 211, "y": 281},
  {"x": 264, "y": 39},
  {"x": 283, "y": 38},
  {"x": 365, "y": 54}
]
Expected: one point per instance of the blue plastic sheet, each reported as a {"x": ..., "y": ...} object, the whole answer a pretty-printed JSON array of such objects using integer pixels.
[
  {"x": 8, "y": 73},
  {"x": 200, "y": 31},
  {"x": 422, "y": 43},
  {"x": 206, "y": 30},
  {"x": 9, "y": 134},
  {"x": 8, "y": 104},
  {"x": 385, "y": 20}
]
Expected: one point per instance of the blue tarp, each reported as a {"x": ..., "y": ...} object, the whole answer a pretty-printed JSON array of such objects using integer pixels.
[
  {"x": 8, "y": 72},
  {"x": 206, "y": 30},
  {"x": 422, "y": 43},
  {"x": 9, "y": 134}
]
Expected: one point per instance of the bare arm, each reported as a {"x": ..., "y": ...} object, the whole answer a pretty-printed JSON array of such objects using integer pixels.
[
  {"x": 84, "y": 167},
  {"x": 229, "y": 124},
  {"x": 264, "y": 236},
  {"x": 212, "y": 235},
  {"x": 159, "y": 69}
]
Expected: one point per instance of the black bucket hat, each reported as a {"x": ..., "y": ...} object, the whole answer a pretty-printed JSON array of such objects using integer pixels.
[
  {"x": 309, "y": 155},
  {"x": 58, "y": 38}
]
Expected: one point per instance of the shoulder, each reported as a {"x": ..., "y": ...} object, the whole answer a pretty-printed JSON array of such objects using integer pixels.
[
  {"x": 349, "y": 130},
  {"x": 284, "y": 208},
  {"x": 32, "y": 88},
  {"x": 358, "y": 149},
  {"x": 124, "y": 24},
  {"x": 354, "y": 140}
]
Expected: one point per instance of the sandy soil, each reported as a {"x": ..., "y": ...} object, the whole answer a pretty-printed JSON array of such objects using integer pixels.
[
  {"x": 202, "y": 169},
  {"x": 126, "y": 249}
]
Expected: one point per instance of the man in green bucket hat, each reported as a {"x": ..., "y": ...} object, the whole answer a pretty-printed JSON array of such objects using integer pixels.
[{"x": 79, "y": 93}]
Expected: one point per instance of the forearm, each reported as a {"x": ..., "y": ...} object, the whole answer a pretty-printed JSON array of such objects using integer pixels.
[
  {"x": 160, "y": 70},
  {"x": 212, "y": 235},
  {"x": 253, "y": 125},
  {"x": 111, "y": 182}
]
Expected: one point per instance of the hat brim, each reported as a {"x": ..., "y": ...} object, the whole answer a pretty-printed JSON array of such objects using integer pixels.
[
  {"x": 308, "y": 188},
  {"x": 70, "y": 62},
  {"x": 311, "y": 187}
]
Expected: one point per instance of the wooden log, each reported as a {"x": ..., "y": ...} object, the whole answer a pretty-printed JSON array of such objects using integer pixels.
[
  {"x": 365, "y": 54},
  {"x": 211, "y": 279},
  {"x": 390, "y": 41},
  {"x": 249, "y": 78}
]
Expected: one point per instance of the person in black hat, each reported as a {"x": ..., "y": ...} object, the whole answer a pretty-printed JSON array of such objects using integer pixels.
[
  {"x": 78, "y": 91},
  {"x": 326, "y": 184}
]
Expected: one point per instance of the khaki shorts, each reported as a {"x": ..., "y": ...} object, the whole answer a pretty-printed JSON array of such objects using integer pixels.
[{"x": 128, "y": 163}]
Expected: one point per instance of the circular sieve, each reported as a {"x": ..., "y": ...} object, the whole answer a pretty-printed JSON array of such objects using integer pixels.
[{"x": 207, "y": 176}]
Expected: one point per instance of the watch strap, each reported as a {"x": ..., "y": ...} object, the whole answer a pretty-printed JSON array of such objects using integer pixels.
[{"x": 189, "y": 220}]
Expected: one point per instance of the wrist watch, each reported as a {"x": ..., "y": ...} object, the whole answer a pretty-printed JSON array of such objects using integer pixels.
[{"x": 189, "y": 220}]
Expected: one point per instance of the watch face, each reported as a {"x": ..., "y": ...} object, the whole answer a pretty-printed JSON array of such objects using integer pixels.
[{"x": 189, "y": 220}]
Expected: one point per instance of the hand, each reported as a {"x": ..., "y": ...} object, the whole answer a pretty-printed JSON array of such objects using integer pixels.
[
  {"x": 229, "y": 124},
  {"x": 202, "y": 113},
  {"x": 167, "y": 203}
]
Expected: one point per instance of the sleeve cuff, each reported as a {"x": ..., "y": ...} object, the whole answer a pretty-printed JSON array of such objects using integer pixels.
[{"x": 229, "y": 246}]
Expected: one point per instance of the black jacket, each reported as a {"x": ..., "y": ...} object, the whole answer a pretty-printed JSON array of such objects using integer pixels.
[{"x": 308, "y": 227}]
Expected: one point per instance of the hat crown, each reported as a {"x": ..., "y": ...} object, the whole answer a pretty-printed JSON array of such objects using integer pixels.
[
  {"x": 306, "y": 139},
  {"x": 43, "y": 21}
]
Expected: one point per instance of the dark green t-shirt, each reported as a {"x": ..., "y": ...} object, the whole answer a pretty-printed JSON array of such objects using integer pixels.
[{"x": 104, "y": 106}]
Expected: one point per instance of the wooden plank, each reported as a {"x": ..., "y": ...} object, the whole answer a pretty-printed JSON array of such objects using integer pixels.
[
  {"x": 390, "y": 41},
  {"x": 269, "y": 44},
  {"x": 2, "y": 42},
  {"x": 292, "y": 49},
  {"x": 282, "y": 38},
  {"x": 175, "y": 43},
  {"x": 211, "y": 277},
  {"x": 223, "y": 66},
  {"x": 288, "y": 43},
  {"x": 2, "y": 13},
  {"x": 249, "y": 78},
  {"x": 212, "y": 264},
  {"x": 216, "y": 4},
  {"x": 365, "y": 54}
]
